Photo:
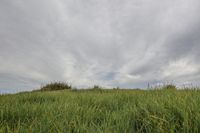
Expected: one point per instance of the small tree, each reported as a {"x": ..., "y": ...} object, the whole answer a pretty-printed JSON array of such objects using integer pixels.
[
  {"x": 96, "y": 87},
  {"x": 169, "y": 87},
  {"x": 56, "y": 86}
]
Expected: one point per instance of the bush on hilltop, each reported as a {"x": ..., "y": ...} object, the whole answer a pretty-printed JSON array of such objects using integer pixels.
[{"x": 56, "y": 86}]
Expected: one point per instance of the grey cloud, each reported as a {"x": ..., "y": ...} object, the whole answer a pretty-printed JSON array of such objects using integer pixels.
[{"x": 111, "y": 43}]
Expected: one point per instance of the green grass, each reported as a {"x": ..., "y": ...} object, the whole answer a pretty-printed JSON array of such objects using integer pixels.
[{"x": 101, "y": 111}]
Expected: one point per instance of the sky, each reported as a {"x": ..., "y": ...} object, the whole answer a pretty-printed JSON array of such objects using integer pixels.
[{"x": 125, "y": 43}]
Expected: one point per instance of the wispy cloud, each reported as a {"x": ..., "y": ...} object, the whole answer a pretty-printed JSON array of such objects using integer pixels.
[{"x": 109, "y": 42}]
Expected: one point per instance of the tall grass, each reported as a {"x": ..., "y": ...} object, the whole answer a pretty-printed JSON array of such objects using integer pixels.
[{"x": 104, "y": 111}]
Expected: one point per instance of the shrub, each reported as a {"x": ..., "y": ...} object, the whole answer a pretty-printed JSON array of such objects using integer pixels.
[
  {"x": 56, "y": 86},
  {"x": 96, "y": 87},
  {"x": 116, "y": 88},
  {"x": 169, "y": 87}
]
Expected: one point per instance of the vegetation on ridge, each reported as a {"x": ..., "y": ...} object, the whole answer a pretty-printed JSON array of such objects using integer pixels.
[
  {"x": 56, "y": 86},
  {"x": 104, "y": 111}
]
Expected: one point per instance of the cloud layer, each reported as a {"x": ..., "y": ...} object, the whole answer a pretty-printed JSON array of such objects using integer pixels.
[{"x": 125, "y": 43}]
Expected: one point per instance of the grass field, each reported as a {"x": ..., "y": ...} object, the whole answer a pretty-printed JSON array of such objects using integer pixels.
[{"x": 97, "y": 111}]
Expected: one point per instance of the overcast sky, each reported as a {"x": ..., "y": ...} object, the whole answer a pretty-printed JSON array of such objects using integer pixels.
[{"x": 125, "y": 43}]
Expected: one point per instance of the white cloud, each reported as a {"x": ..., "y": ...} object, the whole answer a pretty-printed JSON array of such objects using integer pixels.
[
  {"x": 108, "y": 42},
  {"x": 182, "y": 67}
]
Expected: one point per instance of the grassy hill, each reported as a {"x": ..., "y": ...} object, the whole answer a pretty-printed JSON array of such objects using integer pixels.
[{"x": 101, "y": 111}]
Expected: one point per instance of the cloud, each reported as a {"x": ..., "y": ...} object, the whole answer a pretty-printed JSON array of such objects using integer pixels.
[
  {"x": 180, "y": 68},
  {"x": 111, "y": 43}
]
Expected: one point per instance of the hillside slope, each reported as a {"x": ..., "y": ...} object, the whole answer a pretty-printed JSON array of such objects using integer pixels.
[{"x": 101, "y": 111}]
